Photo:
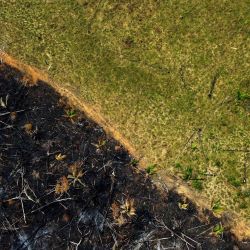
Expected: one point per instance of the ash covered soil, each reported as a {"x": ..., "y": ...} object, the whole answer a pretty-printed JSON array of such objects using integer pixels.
[{"x": 65, "y": 184}]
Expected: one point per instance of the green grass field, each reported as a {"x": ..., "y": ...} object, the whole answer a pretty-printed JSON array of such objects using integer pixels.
[{"x": 172, "y": 76}]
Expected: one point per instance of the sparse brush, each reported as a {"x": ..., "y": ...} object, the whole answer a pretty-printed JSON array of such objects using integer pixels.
[
  {"x": 151, "y": 169},
  {"x": 35, "y": 174},
  {"x": 128, "y": 207},
  {"x": 13, "y": 116},
  {"x": 62, "y": 185},
  {"x": 60, "y": 157},
  {"x": 76, "y": 173},
  {"x": 116, "y": 212},
  {"x": 183, "y": 205},
  {"x": 134, "y": 162},
  {"x": 194, "y": 146},
  {"x": 242, "y": 96},
  {"x": 218, "y": 230},
  {"x": 187, "y": 175},
  {"x": 121, "y": 213},
  {"x": 178, "y": 165},
  {"x": 28, "y": 127},
  {"x": 197, "y": 184},
  {"x": 234, "y": 181},
  {"x": 70, "y": 114},
  {"x": 217, "y": 207},
  {"x": 101, "y": 143}
]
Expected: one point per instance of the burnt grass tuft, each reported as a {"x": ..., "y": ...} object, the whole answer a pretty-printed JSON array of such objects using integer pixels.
[{"x": 65, "y": 184}]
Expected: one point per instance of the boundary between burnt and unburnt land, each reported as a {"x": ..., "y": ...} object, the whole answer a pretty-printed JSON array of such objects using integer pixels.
[{"x": 31, "y": 76}]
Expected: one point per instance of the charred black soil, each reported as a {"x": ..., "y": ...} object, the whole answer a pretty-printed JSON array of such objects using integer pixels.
[{"x": 65, "y": 184}]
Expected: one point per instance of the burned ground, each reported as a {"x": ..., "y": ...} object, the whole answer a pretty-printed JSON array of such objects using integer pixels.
[{"x": 65, "y": 184}]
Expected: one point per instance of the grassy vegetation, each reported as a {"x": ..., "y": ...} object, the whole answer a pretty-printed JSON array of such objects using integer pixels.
[{"x": 171, "y": 75}]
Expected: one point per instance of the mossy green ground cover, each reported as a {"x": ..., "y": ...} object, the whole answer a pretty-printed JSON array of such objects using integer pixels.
[{"x": 171, "y": 75}]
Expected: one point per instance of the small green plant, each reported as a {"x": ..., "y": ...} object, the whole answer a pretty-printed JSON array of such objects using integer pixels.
[
  {"x": 246, "y": 193},
  {"x": 151, "y": 169},
  {"x": 243, "y": 205},
  {"x": 134, "y": 162},
  {"x": 218, "y": 229},
  {"x": 178, "y": 165},
  {"x": 218, "y": 163},
  {"x": 70, "y": 113},
  {"x": 188, "y": 172},
  {"x": 217, "y": 207},
  {"x": 242, "y": 96},
  {"x": 194, "y": 146},
  {"x": 233, "y": 181},
  {"x": 197, "y": 184},
  {"x": 100, "y": 144}
]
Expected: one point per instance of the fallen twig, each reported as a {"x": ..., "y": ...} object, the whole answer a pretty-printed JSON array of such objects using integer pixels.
[
  {"x": 7, "y": 113},
  {"x": 212, "y": 85},
  {"x": 177, "y": 235},
  {"x": 46, "y": 205}
]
